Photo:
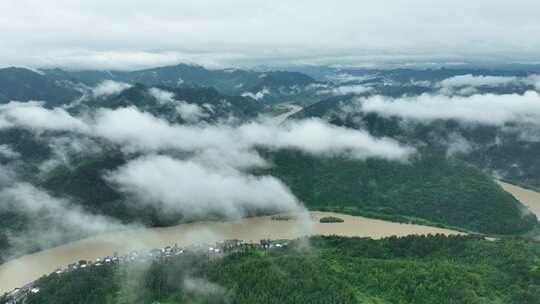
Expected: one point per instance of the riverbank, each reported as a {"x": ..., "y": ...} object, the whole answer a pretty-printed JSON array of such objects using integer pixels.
[
  {"x": 28, "y": 268},
  {"x": 529, "y": 198},
  {"x": 25, "y": 269}
]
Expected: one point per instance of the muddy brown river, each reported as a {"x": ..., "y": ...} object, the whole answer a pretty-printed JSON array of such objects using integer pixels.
[
  {"x": 25, "y": 269},
  {"x": 529, "y": 198}
]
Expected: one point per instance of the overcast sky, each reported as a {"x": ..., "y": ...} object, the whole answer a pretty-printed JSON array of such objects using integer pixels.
[{"x": 130, "y": 34}]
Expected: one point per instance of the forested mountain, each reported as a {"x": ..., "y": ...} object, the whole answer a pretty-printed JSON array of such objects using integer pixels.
[
  {"x": 416, "y": 81},
  {"x": 404, "y": 75},
  {"x": 281, "y": 151},
  {"x": 415, "y": 269},
  {"x": 437, "y": 185},
  {"x": 508, "y": 151},
  {"x": 181, "y": 105},
  {"x": 430, "y": 188},
  {"x": 267, "y": 86},
  {"x": 22, "y": 85}
]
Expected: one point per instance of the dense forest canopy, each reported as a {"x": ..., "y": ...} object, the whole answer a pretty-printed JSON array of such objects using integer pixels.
[
  {"x": 414, "y": 269},
  {"x": 438, "y": 184}
]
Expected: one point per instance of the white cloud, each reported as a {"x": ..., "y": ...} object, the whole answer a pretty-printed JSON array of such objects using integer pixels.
[
  {"x": 457, "y": 144},
  {"x": 534, "y": 80},
  {"x": 257, "y": 96},
  {"x": 345, "y": 77},
  {"x": 353, "y": 31},
  {"x": 109, "y": 87},
  {"x": 34, "y": 116},
  {"x": 467, "y": 84},
  {"x": 7, "y": 152},
  {"x": 421, "y": 83},
  {"x": 67, "y": 147},
  {"x": 208, "y": 179},
  {"x": 134, "y": 130},
  {"x": 189, "y": 112},
  {"x": 476, "y": 81},
  {"x": 320, "y": 138},
  {"x": 196, "y": 190},
  {"x": 348, "y": 89},
  {"x": 162, "y": 96},
  {"x": 488, "y": 109},
  {"x": 4, "y": 123},
  {"x": 142, "y": 131},
  {"x": 53, "y": 220}
]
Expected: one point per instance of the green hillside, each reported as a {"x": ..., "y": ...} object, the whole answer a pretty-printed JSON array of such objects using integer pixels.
[
  {"x": 23, "y": 85},
  {"x": 415, "y": 269},
  {"x": 499, "y": 150},
  {"x": 276, "y": 84},
  {"x": 431, "y": 188}
]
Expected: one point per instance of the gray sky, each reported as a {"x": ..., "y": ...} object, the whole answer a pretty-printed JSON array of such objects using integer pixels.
[{"x": 129, "y": 34}]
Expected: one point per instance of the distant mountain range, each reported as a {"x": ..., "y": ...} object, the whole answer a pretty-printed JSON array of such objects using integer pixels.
[
  {"x": 201, "y": 104},
  {"x": 304, "y": 85},
  {"x": 59, "y": 86},
  {"x": 323, "y": 73},
  {"x": 23, "y": 85},
  {"x": 268, "y": 86}
]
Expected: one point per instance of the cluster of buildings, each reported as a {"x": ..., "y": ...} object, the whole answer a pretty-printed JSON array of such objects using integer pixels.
[{"x": 19, "y": 294}]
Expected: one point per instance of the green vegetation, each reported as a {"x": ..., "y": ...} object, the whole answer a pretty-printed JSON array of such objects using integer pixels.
[
  {"x": 414, "y": 269},
  {"x": 22, "y": 85},
  {"x": 331, "y": 219},
  {"x": 507, "y": 151},
  {"x": 356, "y": 211},
  {"x": 228, "y": 81},
  {"x": 431, "y": 188},
  {"x": 276, "y": 110},
  {"x": 214, "y": 104}
]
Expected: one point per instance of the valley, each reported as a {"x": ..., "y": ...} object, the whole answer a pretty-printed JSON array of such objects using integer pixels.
[
  {"x": 25, "y": 269},
  {"x": 269, "y": 152}
]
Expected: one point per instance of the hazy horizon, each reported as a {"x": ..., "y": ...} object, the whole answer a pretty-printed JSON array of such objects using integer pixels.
[{"x": 123, "y": 35}]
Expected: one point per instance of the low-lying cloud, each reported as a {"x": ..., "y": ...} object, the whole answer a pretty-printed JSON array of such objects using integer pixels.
[
  {"x": 7, "y": 151},
  {"x": 196, "y": 190},
  {"x": 476, "y": 81},
  {"x": 347, "y": 89},
  {"x": 142, "y": 131},
  {"x": 109, "y": 87},
  {"x": 33, "y": 115},
  {"x": 317, "y": 137},
  {"x": 191, "y": 113},
  {"x": 197, "y": 170},
  {"x": 486, "y": 109},
  {"x": 220, "y": 143},
  {"x": 468, "y": 84},
  {"x": 52, "y": 220},
  {"x": 258, "y": 95}
]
